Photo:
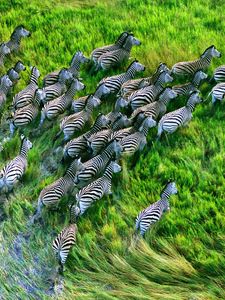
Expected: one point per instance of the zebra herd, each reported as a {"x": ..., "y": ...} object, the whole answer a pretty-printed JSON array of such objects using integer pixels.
[{"x": 139, "y": 105}]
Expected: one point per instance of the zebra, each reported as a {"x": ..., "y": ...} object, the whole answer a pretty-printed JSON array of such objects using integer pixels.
[
  {"x": 154, "y": 212},
  {"x": 19, "y": 67},
  {"x": 190, "y": 67},
  {"x": 77, "y": 59},
  {"x": 187, "y": 88},
  {"x": 14, "y": 73},
  {"x": 96, "y": 53},
  {"x": 5, "y": 85},
  {"x": 95, "y": 190},
  {"x": 79, "y": 104},
  {"x": 137, "y": 141},
  {"x": 115, "y": 113},
  {"x": 14, "y": 170},
  {"x": 97, "y": 164},
  {"x": 51, "y": 195},
  {"x": 26, "y": 96},
  {"x": 15, "y": 39},
  {"x": 117, "y": 57},
  {"x": 147, "y": 95},
  {"x": 64, "y": 241},
  {"x": 78, "y": 146},
  {"x": 219, "y": 74},
  {"x": 97, "y": 141},
  {"x": 156, "y": 108},
  {"x": 180, "y": 117},
  {"x": 115, "y": 82},
  {"x": 75, "y": 122},
  {"x": 54, "y": 108},
  {"x": 218, "y": 92},
  {"x": 57, "y": 89},
  {"x": 25, "y": 115},
  {"x": 4, "y": 50},
  {"x": 135, "y": 84}
]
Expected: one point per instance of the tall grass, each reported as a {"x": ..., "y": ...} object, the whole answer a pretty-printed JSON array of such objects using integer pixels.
[{"x": 183, "y": 255}]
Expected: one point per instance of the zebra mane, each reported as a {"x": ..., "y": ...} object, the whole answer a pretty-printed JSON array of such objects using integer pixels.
[
  {"x": 14, "y": 31},
  {"x": 22, "y": 137},
  {"x": 88, "y": 97},
  {"x": 206, "y": 50},
  {"x": 121, "y": 35},
  {"x": 131, "y": 64}
]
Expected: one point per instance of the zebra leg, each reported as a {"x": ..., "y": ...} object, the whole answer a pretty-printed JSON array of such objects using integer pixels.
[
  {"x": 37, "y": 213},
  {"x": 12, "y": 128},
  {"x": 213, "y": 99},
  {"x": 41, "y": 120}
]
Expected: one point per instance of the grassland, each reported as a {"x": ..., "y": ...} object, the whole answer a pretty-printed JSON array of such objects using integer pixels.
[{"x": 182, "y": 257}]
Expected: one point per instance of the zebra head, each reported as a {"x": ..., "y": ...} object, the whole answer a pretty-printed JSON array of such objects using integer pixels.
[
  {"x": 147, "y": 123},
  {"x": 65, "y": 75},
  {"x": 135, "y": 65},
  {"x": 6, "y": 81},
  {"x": 35, "y": 72},
  {"x": 120, "y": 103},
  {"x": 200, "y": 75},
  {"x": 21, "y": 31},
  {"x": 212, "y": 51},
  {"x": 93, "y": 101},
  {"x": 116, "y": 168},
  {"x": 168, "y": 93},
  {"x": 102, "y": 121},
  {"x": 40, "y": 96},
  {"x": 194, "y": 99},
  {"x": 13, "y": 75},
  {"x": 131, "y": 40},
  {"x": 79, "y": 57},
  {"x": 78, "y": 85},
  {"x": 163, "y": 67},
  {"x": 102, "y": 89},
  {"x": 25, "y": 143},
  {"x": 19, "y": 66},
  {"x": 169, "y": 189},
  {"x": 4, "y": 49}
]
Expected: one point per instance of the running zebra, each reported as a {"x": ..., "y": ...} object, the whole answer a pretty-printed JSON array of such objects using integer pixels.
[
  {"x": 97, "y": 164},
  {"x": 75, "y": 64},
  {"x": 111, "y": 59},
  {"x": 180, "y": 117},
  {"x": 95, "y": 190},
  {"x": 26, "y": 96},
  {"x": 156, "y": 108},
  {"x": 137, "y": 141},
  {"x": 115, "y": 82},
  {"x": 190, "y": 67},
  {"x": 15, "y": 39},
  {"x": 79, "y": 104},
  {"x": 57, "y": 89},
  {"x": 14, "y": 73},
  {"x": 14, "y": 170},
  {"x": 25, "y": 115},
  {"x": 58, "y": 106},
  {"x": 135, "y": 84},
  {"x": 190, "y": 87},
  {"x": 5, "y": 85},
  {"x": 78, "y": 147},
  {"x": 115, "y": 113},
  {"x": 218, "y": 92},
  {"x": 154, "y": 212},
  {"x": 148, "y": 94},
  {"x": 64, "y": 241},
  {"x": 219, "y": 74},
  {"x": 118, "y": 44},
  {"x": 4, "y": 50},
  {"x": 51, "y": 195}
]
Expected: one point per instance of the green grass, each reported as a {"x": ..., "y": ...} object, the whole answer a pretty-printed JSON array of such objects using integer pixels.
[{"x": 182, "y": 256}]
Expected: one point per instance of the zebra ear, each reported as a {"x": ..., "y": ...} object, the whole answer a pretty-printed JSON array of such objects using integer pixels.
[{"x": 22, "y": 137}]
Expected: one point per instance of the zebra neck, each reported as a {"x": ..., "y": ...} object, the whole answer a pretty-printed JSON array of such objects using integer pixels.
[
  {"x": 108, "y": 152},
  {"x": 164, "y": 100},
  {"x": 165, "y": 195},
  {"x": 24, "y": 151},
  {"x": 190, "y": 106},
  {"x": 127, "y": 46},
  {"x": 75, "y": 67},
  {"x": 204, "y": 62},
  {"x": 98, "y": 93},
  {"x": 108, "y": 173},
  {"x": 130, "y": 74},
  {"x": 164, "y": 202},
  {"x": 196, "y": 81},
  {"x": 33, "y": 79},
  {"x": 2, "y": 55},
  {"x": 15, "y": 39},
  {"x": 71, "y": 92},
  {"x": 145, "y": 130}
]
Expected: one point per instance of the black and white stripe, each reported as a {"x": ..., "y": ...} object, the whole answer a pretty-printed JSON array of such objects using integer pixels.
[
  {"x": 95, "y": 190},
  {"x": 5, "y": 85},
  {"x": 4, "y": 50},
  {"x": 26, "y": 96},
  {"x": 180, "y": 117},
  {"x": 218, "y": 92},
  {"x": 219, "y": 74},
  {"x": 190, "y": 67},
  {"x": 115, "y": 113},
  {"x": 154, "y": 212},
  {"x": 15, "y": 169},
  {"x": 15, "y": 38}
]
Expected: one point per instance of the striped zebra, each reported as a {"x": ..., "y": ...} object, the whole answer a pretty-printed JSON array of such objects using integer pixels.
[
  {"x": 137, "y": 141},
  {"x": 190, "y": 67},
  {"x": 14, "y": 73},
  {"x": 180, "y": 117},
  {"x": 14, "y": 170},
  {"x": 78, "y": 146},
  {"x": 149, "y": 94},
  {"x": 64, "y": 241},
  {"x": 219, "y": 74},
  {"x": 25, "y": 115},
  {"x": 5, "y": 85},
  {"x": 132, "y": 85},
  {"x": 26, "y": 96},
  {"x": 51, "y": 195},
  {"x": 95, "y": 190},
  {"x": 76, "y": 122},
  {"x": 115, "y": 113},
  {"x": 190, "y": 87},
  {"x": 79, "y": 104},
  {"x": 15, "y": 38},
  {"x": 75, "y": 64},
  {"x": 97, "y": 164},
  {"x": 4, "y": 50},
  {"x": 218, "y": 92},
  {"x": 60, "y": 87},
  {"x": 115, "y": 82},
  {"x": 96, "y": 53},
  {"x": 154, "y": 212},
  {"x": 58, "y": 106},
  {"x": 156, "y": 108},
  {"x": 111, "y": 59},
  {"x": 99, "y": 140}
]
